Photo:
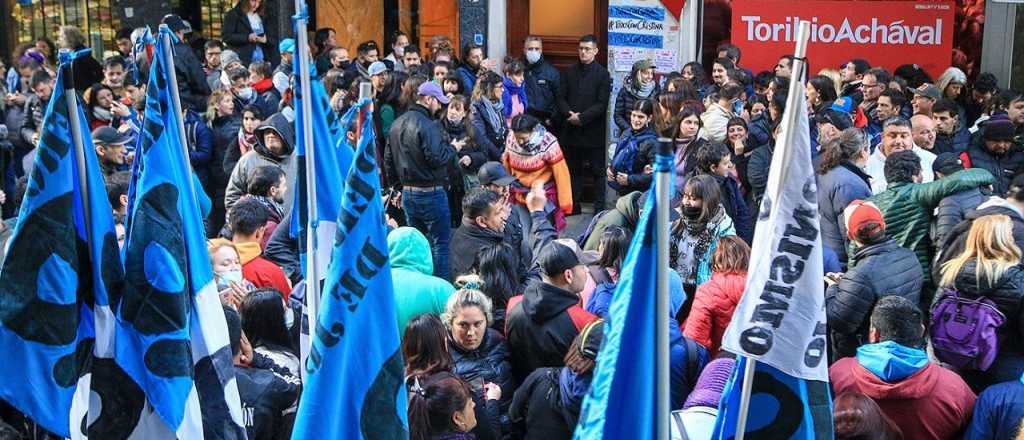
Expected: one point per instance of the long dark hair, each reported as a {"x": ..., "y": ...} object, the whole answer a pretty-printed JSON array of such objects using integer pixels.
[
  {"x": 700, "y": 77},
  {"x": 825, "y": 87},
  {"x": 684, "y": 113},
  {"x": 262, "y": 313},
  {"x": 432, "y": 402},
  {"x": 496, "y": 266},
  {"x": 849, "y": 143},
  {"x": 614, "y": 243},
  {"x": 705, "y": 188},
  {"x": 858, "y": 417},
  {"x": 423, "y": 346}
]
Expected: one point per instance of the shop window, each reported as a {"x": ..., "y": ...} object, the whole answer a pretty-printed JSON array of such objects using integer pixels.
[{"x": 43, "y": 18}]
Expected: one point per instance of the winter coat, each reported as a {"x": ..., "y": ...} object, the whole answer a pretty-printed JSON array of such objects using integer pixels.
[
  {"x": 199, "y": 139},
  {"x": 236, "y": 35},
  {"x": 225, "y": 132},
  {"x": 759, "y": 132},
  {"x": 836, "y": 189},
  {"x": 537, "y": 407},
  {"x": 720, "y": 225},
  {"x": 626, "y": 99},
  {"x": 469, "y": 239},
  {"x": 625, "y": 215},
  {"x": 954, "y": 208},
  {"x": 86, "y": 70},
  {"x": 585, "y": 89},
  {"x": 417, "y": 291},
  {"x": 477, "y": 156},
  {"x": 928, "y": 401},
  {"x": 757, "y": 173},
  {"x": 488, "y": 140},
  {"x": 716, "y": 120},
  {"x": 259, "y": 271},
  {"x": 238, "y": 183},
  {"x": 545, "y": 163},
  {"x": 540, "y": 325},
  {"x": 955, "y": 240},
  {"x": 543, "y": 83},
  {"x": 882, "y": 269},
  {"x": 193, "y": 89},
  {"x": 35, "y": 109},
  {"x": 645, "y": 145},
  {"x": 908, "y": 207},
  {"x": 1008, "y": 295},
  {"x": 952, "y": 143},
  {"x": 735, "y": 207},
  {"x": 468, "y": 76},
  {"x": 283, "y": 250},
  {"x": 1004, "y": 167},
  {"x": 416, "y": 154},
  {"x": 713, "y": 306},
  {"x": 997, "y": 412},
  {"x": 489, "y": 362}
]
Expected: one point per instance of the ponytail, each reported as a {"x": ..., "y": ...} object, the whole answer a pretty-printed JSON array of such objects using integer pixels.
[
  {"x": 432, "y": 402},
  {"x": 845, "y": 147}
]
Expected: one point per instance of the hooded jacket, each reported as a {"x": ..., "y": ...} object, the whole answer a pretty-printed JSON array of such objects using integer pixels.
[
  {"x": 1004, "y": 167},
  {"x": 956, "y": 238},
  {"x": 930, "y": 402},
  {"x": 540, "y": 325},
  {"x": 882, "y": 269},
  {"x": 258, "y": 270},
  {"x": 260, "y": 156},
  {"x": 625, "y": 215},
  {"x": 417, "y": 291}
]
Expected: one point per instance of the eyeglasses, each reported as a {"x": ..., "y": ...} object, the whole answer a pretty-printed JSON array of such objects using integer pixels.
[{"x": 587, "y": 49}]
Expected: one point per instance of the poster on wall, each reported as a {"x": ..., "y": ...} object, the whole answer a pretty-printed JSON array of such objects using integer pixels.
[{"x": 886, "y": 34}]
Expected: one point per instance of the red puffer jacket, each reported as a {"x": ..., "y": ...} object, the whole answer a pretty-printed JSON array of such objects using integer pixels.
[{"x": 713, "y": 305}]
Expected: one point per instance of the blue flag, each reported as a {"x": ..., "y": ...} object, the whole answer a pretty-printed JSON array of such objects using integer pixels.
[
  {"x": 622, "y": 399},
  {"x": 354, "y": 387},
  {"x": 61, "y": 271},
  {"x": 172, "y": 338}
]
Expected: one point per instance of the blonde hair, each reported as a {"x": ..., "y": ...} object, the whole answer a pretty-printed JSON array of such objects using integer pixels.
[
  {"x": 990, "y": 243},
  {"x": 463, "y": 298},
  {"x": 837, "y": 79},
  {"x": 214, "y": 245},
  {"x": 211, "y": 105}
]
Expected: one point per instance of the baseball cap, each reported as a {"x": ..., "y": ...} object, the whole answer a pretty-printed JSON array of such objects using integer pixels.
[
  {"x": 493, "y": 173},
  {"x": 107, "y": 135},
  {"x": 838, "y": 119},
  {"x": 176, "y": 23},
  {"x": 377, "y": 68},
  {"x": 843, "y": 104},
  {"x": 947, "y": 163},
  {"x": 928, "y": 91},
  {"x": 559, "y": 256},
  {"x": 430, "y": 88},
  {"x": 863, "y": 219},
  {"x": 286, "y": 45}
]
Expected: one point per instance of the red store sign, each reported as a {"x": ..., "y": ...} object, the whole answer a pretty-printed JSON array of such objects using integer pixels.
[{"x": 887, "y": 34}]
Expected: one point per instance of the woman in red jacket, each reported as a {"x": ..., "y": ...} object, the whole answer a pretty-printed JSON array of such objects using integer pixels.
[{"x": 715, "y": 300}]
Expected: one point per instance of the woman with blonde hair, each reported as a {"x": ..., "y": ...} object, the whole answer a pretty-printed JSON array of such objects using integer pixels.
[
  {"x": 837, "y": 79},
  {"x": 86, "y": 70},
  {"x": 990, "y": 267}
]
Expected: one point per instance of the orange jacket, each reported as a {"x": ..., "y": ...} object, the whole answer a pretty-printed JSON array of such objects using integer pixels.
[{"x": 713, "y": 306}]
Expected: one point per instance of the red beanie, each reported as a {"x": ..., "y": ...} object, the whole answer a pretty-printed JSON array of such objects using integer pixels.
[{"x": 863, "y": 219}]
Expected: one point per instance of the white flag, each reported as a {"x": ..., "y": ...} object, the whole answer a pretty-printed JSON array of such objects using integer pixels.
[{"x": 780, "y": 320}]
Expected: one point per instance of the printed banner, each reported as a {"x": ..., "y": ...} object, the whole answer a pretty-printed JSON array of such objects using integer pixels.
[{"x": 887, "y": 34}]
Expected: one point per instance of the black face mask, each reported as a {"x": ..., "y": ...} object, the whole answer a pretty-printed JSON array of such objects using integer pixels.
[
  {"x": 691, "y": 212},
  {"x": 344, "y": 65}
]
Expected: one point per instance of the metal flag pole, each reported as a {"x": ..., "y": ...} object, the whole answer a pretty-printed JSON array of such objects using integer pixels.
[
  {"x": 664, "y": 200},
  {"x": 793, "y": 99},
  {"x": 312, "y": 270},
  {"x": 172, "y": 90},
  {"x": 71, "y": 99}
]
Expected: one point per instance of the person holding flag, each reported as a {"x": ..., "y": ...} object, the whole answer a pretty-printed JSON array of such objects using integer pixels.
[{"x": 778, "y": 329}]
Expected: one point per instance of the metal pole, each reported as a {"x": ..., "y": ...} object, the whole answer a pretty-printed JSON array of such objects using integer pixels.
[
  {"x": 172, "y": 86},
  {"x": 793, "y": 99},
  {"x": 661, "y": 312},
  {"x": 71, "y": 99},
  {"x": 305, "y": 94}
]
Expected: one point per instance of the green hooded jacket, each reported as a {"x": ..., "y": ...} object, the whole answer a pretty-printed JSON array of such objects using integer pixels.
[{"x": 417, "y": 291}]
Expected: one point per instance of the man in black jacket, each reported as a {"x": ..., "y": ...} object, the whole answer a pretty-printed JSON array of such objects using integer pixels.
[
  {"x": 494, "y": 177},
  {"x": 586, "y": 87},
  {"x": 542, "y": 82},
  {"x": 416, "y": 160},
  {"x": 996, "y": 152},
  {"x": 193, "y": 88},
  {"x": 484, "y": 216}
]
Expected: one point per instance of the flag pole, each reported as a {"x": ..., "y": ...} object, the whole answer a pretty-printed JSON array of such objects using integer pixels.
[
  {"x": 312, "y": 274},
  {"x": 71, "y": 98},
  {"x": 664, "y": 202},
  {"x": 793, "y": 99},
  {"x": 172, "y": 86}
]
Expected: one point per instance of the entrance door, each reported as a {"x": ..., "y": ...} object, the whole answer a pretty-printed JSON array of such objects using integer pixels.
[
  {"x": 560, "y": 25},
  {"x": 438, "y": 18}
]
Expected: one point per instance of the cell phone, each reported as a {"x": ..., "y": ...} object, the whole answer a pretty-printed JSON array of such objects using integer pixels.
[{"x": 477, "y": 385}]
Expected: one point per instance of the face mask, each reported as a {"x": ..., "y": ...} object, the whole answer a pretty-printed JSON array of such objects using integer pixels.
[
  {"x": 738, "y": 107},
  {"x": 344, "y": 65},
  {"x": 224, "y": 279},
  {"x": 691, "y": 212},
  {"x": 455, "y": 121},
  {"x": 532, "y": 56},
  {"x": 399, "y": 52},
  {"x": 289, "y": 317},
  {"x": 246, "y": 93}
]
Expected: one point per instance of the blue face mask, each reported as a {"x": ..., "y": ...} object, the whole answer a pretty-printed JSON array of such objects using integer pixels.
[
  {"x": 224, "y": 279},
  {"x": 738, "y": 107}
]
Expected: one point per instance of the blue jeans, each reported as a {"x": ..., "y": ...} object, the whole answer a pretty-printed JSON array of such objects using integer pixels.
[{"x": 428, "y": 212}]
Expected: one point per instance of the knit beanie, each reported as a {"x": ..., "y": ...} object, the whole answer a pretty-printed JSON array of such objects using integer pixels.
[
  {"x": 999, "y": 130},
  {"x": 710, "y": 384}
]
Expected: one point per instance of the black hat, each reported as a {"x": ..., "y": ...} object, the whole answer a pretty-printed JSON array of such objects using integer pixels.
[
  {"x": 107, "y": 135},
  {"x": 837, "y": 118},
  {"x": 947, "y": 163},
  {"x": 558, "y": 256},
  {"x": 1000, "y": 129},
  {"x": 176, "y": 24},
  {"x": 493, "y": 173}
]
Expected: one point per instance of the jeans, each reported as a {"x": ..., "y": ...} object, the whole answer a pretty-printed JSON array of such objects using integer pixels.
[{"x": 428, "y": 212}]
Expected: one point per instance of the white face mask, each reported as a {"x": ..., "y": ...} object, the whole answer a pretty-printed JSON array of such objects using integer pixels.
[
  {"x": 399, "y": 52},
  {"x": 224, "y": 279},
  {"x": 246, "y": 93},
  {"x": 532, "y": 56},
  {"x": 289, "y": 317}
]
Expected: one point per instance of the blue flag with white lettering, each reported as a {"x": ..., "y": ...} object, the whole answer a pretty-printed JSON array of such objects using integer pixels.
[
  {"x": 623, "y": 394},
  {"x": 354, "y": 387},
  {"x": 60, "y": 273},
  {"x": 171, "y": 334}
]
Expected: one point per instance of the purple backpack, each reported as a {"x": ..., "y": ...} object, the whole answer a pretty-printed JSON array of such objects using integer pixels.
[{"x": 963, "y": 331}]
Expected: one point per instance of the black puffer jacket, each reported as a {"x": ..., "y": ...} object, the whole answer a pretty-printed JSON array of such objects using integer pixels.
[
  {"x": 953, "y": 209},
  {"x": 490, "y": 362},
  {"x": 882, "y": 269},
  {"x": 1005, "y": 166},
  {"x": 470, "y": 238},
  {"x": 627, "y": 97},
  {"x": 1008, "y": 295}
]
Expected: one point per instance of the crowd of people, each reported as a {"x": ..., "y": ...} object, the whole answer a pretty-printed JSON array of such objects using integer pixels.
[{"x": 919, "y": 188}]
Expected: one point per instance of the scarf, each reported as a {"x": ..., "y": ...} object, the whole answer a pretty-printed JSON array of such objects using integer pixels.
[
  {"x": 493, "y": 112},
  {"x": 644, "y": 91},
  {"x": 533, "y": 146},
  {"x": 246, "y": 141},
  {"x": 512, "y": 89},
  {"x": 263, "y": 85},
  {"x": 702, "y": 235},
  {"x": 274, "y": 208},
  {"x": 102, "y": 114}
]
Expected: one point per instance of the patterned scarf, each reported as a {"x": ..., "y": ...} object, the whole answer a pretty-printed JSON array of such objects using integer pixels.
[
  {"x": 703, "y": 234},
  {"x": 246, "y": 141}
]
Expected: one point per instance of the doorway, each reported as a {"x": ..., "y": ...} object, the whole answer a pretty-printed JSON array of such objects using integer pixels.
[{"x": 560, "y": 27}]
